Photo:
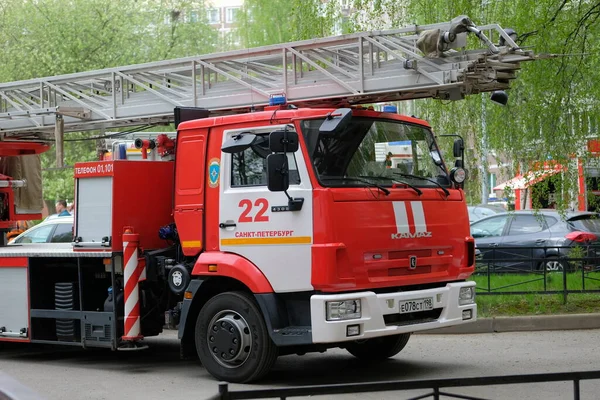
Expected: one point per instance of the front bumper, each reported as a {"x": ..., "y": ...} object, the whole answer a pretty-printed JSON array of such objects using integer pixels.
[{"x": 381, "y": 316}]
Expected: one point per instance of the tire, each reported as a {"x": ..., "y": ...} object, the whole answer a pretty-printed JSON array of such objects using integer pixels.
[
  {"x": 232, "y": 340},
  {"x": 553, "y": 264},
  {"x": 378, "y": 349}
]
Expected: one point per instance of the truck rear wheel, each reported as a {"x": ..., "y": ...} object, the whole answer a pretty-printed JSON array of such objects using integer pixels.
[
  {"x": 232, "y": 339},
  {"x": 380, "y": 348}
]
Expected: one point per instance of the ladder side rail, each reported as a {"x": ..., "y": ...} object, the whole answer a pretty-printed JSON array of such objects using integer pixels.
[
  {"x": 256, "y": 51},
  {"x": 20, "y": 112}
]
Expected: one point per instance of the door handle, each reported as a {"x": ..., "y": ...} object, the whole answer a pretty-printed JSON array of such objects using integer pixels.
[
  {"x": 540, "y": 241},
  {"x": 223, "y": 225},
  {"x": 493, "y": 244}
]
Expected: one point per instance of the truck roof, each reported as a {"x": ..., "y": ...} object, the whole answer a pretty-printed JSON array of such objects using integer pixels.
[{"x": 289, "y": 114}]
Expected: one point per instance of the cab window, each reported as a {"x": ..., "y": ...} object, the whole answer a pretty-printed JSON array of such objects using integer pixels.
[{"x": 249, "y": 167}]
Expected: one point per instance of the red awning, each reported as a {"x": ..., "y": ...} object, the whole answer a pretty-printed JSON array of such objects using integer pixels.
[{"x": 530, "y": 178}]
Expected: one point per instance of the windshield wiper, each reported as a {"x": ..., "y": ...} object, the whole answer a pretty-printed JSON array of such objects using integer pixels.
[
  {"x": 389, "y": 178},
  {"x": 423, "y": 178},
  {"x": 347, "y": 179}
]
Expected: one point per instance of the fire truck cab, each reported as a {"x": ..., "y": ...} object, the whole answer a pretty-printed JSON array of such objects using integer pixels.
[{"x": 314, "y": 236}]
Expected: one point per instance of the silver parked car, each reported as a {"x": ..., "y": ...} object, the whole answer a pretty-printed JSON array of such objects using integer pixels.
[{"x": 51, "y": 230}]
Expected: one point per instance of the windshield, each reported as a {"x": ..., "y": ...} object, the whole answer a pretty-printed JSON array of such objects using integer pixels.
[{"x": 380, "y": 151}]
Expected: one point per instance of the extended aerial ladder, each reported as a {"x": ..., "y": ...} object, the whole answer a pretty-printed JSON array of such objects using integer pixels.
[
  {"x": 366, "y": 67},
  {"x": 426, "y": 61}
]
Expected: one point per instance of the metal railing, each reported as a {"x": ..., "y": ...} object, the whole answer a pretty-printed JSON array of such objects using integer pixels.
[
  {"x": 517, "y": 270},
  {"x": 434, "y": 385}
]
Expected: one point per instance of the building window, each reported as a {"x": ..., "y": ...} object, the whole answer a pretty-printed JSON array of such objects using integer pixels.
[
  {"x": 231, "y": 14},
  {"x": 214, "y": 16},
  {"x": 492, "y": 183}
]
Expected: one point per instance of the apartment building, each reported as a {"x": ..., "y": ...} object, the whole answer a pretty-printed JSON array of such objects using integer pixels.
[{"x": 222, "y": 16}]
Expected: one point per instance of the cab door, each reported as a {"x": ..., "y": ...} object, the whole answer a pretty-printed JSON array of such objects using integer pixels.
[{"x": 255, "y": 223}]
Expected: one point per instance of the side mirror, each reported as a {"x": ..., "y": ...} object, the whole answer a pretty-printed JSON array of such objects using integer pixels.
[
  {"x": 277, "y": 173},
  {"x": 458, "y": 148},
  {"x": 283, "y": 141},
  {"x": 336, "y": 121},
  {"x": 238, "y": 143}
]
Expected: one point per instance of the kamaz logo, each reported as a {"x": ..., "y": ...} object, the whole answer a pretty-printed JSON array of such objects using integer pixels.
[
  {"x": 409, "y": 235},
  {"x": 405, "y": 229}
]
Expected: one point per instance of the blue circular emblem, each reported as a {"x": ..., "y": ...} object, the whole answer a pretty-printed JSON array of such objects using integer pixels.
[{"x": 213, "y": 172}]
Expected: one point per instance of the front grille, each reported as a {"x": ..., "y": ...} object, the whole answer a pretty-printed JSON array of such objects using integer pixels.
[
  {"x": 400, "y": 254},
  {"x": 420, "y": 317}
]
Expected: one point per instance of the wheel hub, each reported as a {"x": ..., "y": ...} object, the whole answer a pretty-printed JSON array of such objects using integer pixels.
[
  {"x": 177, "y": 278},
  {"x": 229, "y": 339},
  {"x": 553, "y": 266}
]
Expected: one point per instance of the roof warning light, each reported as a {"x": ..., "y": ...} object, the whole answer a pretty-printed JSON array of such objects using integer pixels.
[{"x": 276, "y": 100}]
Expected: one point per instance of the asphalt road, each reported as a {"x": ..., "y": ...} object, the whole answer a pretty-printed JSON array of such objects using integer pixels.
[{"x": 157, "y": 373}]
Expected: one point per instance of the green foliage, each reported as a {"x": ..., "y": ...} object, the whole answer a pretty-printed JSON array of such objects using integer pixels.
[
  {"x": 551, "y": 107},
  {"x": 264, "y": 22},
  {"x": 536, "y": 304},
  {"x": 54, "y": 37},
  {"x": 59, "y": 182}
]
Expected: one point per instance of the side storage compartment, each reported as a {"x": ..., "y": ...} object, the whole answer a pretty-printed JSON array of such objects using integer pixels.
[
  {"x": 14, "y": 307},
  {"x": 68, "y": 296}
]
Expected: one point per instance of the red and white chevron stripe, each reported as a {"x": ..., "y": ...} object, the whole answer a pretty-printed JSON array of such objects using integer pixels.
[{"x": 133, "y": 274}]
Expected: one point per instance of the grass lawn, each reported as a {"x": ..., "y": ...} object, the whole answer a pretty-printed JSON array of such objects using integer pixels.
[{"x": 536, "y": 303}]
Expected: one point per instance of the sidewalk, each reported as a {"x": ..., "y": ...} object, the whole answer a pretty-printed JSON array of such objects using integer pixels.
[{"x": 526, "y": 323}]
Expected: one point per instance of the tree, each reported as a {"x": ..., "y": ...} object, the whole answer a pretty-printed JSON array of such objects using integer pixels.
[
  {"x": 552, "y": 106},
  {"x": 264, "y": 22},
  {"x": 53, "y": 37}
]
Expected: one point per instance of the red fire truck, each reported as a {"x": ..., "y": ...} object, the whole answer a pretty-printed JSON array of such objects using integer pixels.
[{"x": 262, "y": 228}]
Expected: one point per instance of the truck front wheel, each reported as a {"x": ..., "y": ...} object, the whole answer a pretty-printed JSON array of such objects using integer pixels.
[
  {"x": 380, "y": 348},
  {"x": 232, "y": 340}
]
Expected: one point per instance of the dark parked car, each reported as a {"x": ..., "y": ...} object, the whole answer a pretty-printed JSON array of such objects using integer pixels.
[
  {"x": 533, "y": 240},
  {"x": 483, "y": 210}
]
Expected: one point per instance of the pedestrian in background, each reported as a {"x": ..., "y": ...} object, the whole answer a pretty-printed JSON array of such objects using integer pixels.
[{"x": 61, "y": 208}]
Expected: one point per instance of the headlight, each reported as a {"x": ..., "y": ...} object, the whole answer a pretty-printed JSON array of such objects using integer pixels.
[
  {"x": 458, "y": 174},
  {"x": 466, "y": 296},
  {"x": 344, "y": 309}
]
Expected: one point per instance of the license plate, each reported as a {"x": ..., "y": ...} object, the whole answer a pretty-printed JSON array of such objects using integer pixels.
[{"x": 416, "y": 305}]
